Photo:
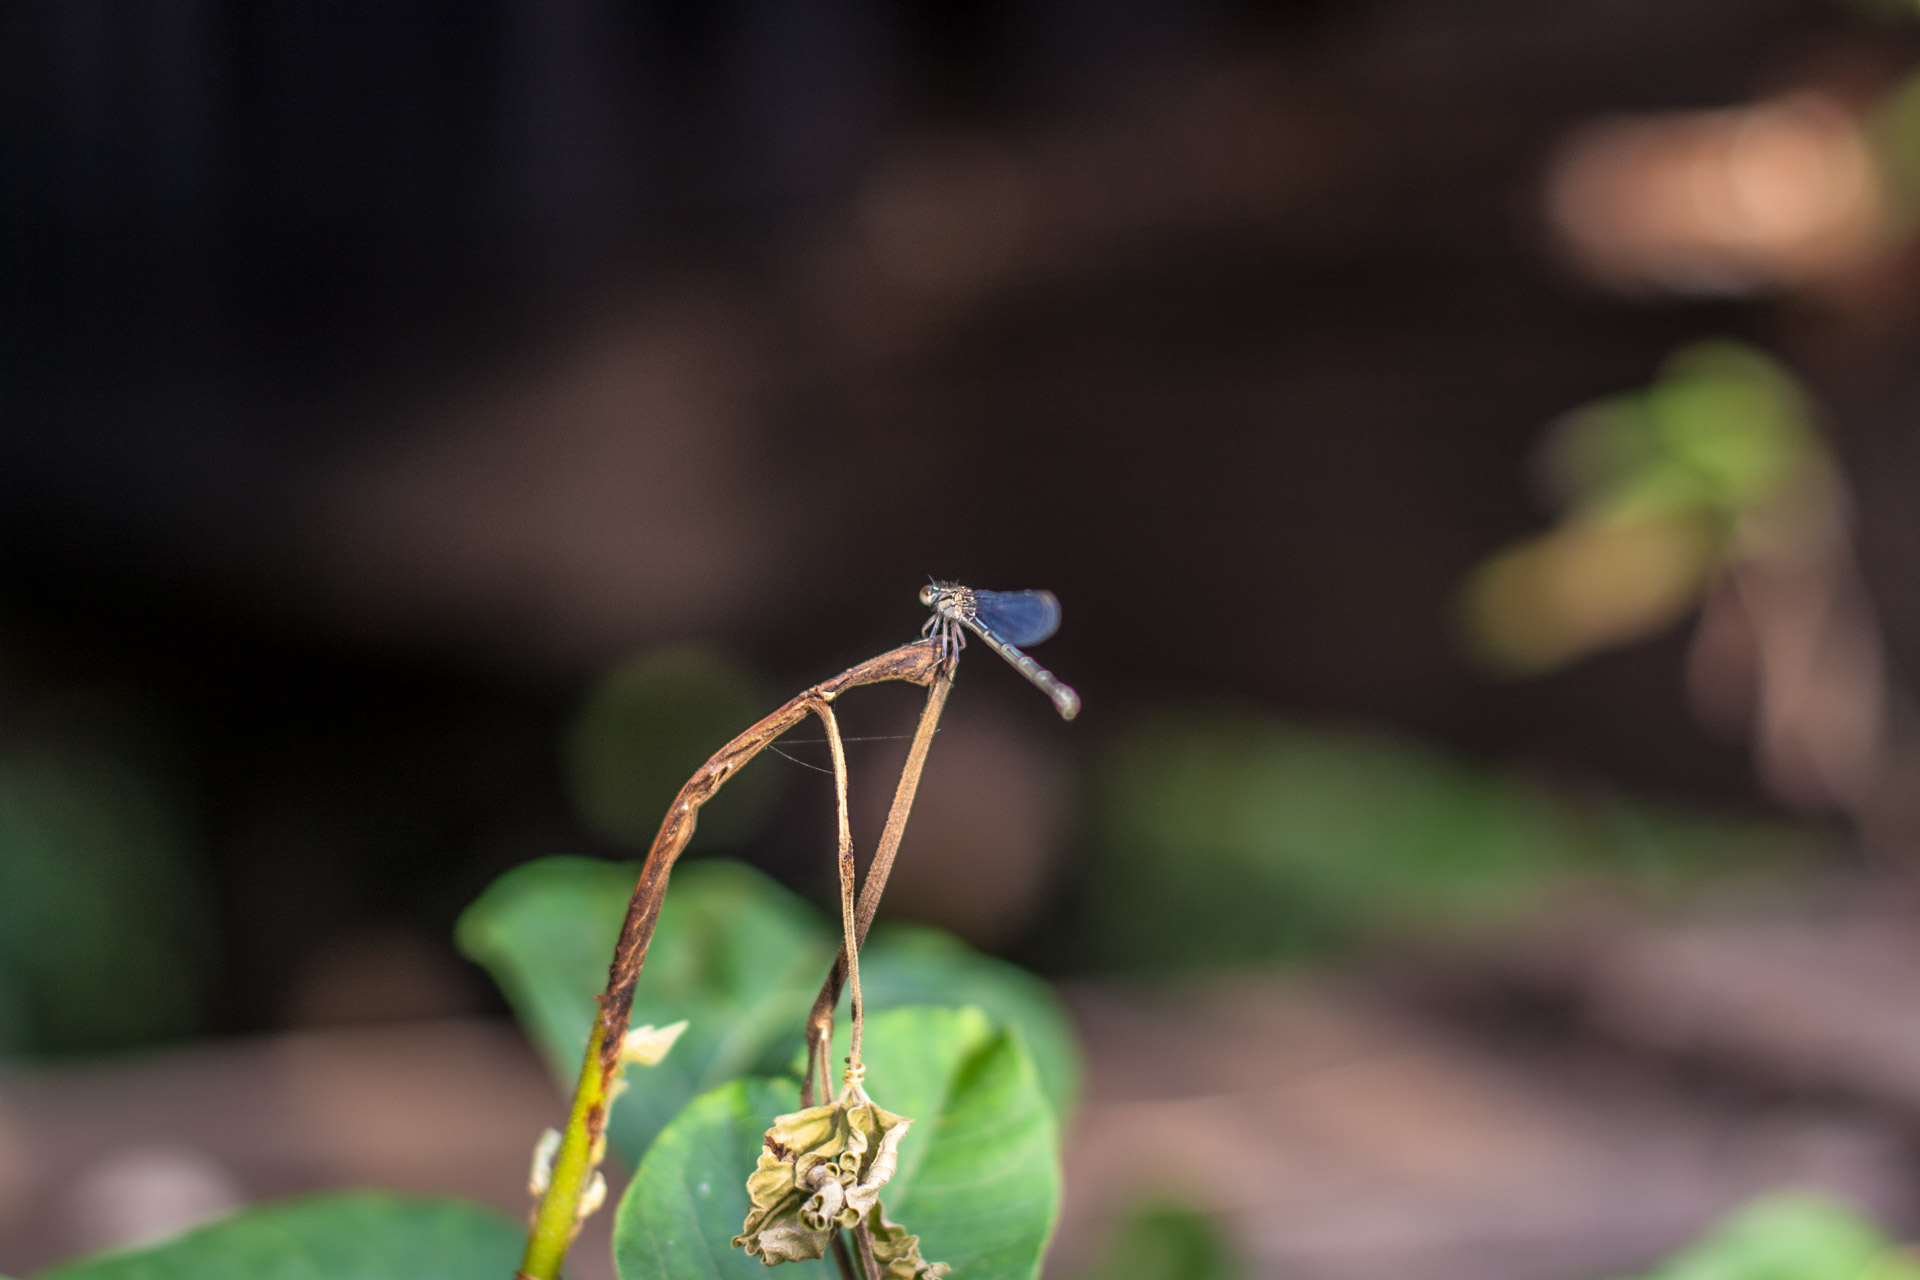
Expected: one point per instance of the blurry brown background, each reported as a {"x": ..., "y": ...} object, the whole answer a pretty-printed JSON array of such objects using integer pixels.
[{"x": 375, "y": 376}]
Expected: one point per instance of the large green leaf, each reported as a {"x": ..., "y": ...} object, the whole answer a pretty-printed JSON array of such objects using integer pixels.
[
  {"x": 734, "y": 954},
  {"x": 913, "y": 964},
  {"x": 984, "y": 1192},
  {"x": 1791, "y": 1237},
  {"x": 688, "y": 1199},
  {"x": 737, "y": 956},
  {"x": 979, "y": 1174},
  {"x": 357, "y": 1236}
]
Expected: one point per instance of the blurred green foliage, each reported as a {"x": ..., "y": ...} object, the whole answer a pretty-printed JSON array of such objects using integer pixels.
[
  {"x": 1891, "y": 11},
  {"x": 1894, "y": 130},
  {"x": 978, "y": 1178},
  {"x": 737, "y": 956},
  {"x": 103, "y": 918},
  {"x": 1791, "y": 1237},
  {"x": 1723, "y": 429},
  {"x": 1659, "y": 489},
  {"x": 643, "y": 730},
  {"x": 1232, "y": 838},
  {"x": 1168, "y": 1241},
  {"x": 360, "y": 1235}
]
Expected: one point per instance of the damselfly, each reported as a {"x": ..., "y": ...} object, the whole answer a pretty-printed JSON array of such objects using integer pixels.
[{"x": 1003, "y": 619}]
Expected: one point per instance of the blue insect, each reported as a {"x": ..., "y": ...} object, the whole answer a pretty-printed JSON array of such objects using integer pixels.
[{"x": 1003, "y": 619}]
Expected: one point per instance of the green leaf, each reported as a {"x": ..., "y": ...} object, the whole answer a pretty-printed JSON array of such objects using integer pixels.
[
  {"x": 1791, "y": 1237},
  {"x": 688, "y": 1198},
  {"x": 545, "y": 931},
  {"x": 357, "y": 1236},
  {"x": 913, "y": 964},
  {"x": 979, "y": 1174},
  {"x": 984, "y": 1191},
  {"x": 734, "y": 954},
  {"x": 1166, "y": 1241}
]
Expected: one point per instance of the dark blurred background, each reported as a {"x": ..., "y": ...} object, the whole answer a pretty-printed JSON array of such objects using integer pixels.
[{"x": 385, "y": 387}]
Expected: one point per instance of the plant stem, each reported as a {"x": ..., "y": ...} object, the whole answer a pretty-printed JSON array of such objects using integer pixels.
[
  {"x": 850, "y": 944},
  {"x": 842, "y": 1259},
  {"x": 863, "y": 1242},
  {"x": 556, "y": 1217},
  {"x": 820, "y": 1018}
]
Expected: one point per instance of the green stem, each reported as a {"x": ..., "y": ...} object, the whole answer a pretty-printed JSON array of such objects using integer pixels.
[{"x": 556, "y": 1220}]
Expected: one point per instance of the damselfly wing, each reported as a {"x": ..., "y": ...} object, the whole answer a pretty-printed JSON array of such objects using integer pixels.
[{"x": 1018, "y": 617}]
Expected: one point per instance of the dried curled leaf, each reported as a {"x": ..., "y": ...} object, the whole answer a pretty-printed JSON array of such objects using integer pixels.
[
  {"x": 897, "y": 1250},
  {"x": 820, "y": 1169},
  {"x": 648, "y": 1045}
]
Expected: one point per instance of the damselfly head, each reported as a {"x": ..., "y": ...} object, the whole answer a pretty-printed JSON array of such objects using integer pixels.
[{"x": 928, "y": 594}]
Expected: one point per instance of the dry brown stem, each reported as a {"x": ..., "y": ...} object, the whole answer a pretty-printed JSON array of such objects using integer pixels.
[
  {"x": 843, "y": 1257},
  {"x": 863, "y": 1242},
  {"x": 849, "y": 944},
  {"x": 820, "y": 1019},
  {"x": 916, "y": 663}
]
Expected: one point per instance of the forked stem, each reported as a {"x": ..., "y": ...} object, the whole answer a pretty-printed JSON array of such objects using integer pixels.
[
  {"x": 869, "y": 1269},
  {"x": 557, "y": 1216},
  {"x": 820, "y": 1019}
]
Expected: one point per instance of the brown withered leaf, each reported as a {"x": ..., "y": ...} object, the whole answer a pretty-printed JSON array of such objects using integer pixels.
[
  {"x": 898, "y": 1251},
  {"x": 820, "y": 1169}
]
